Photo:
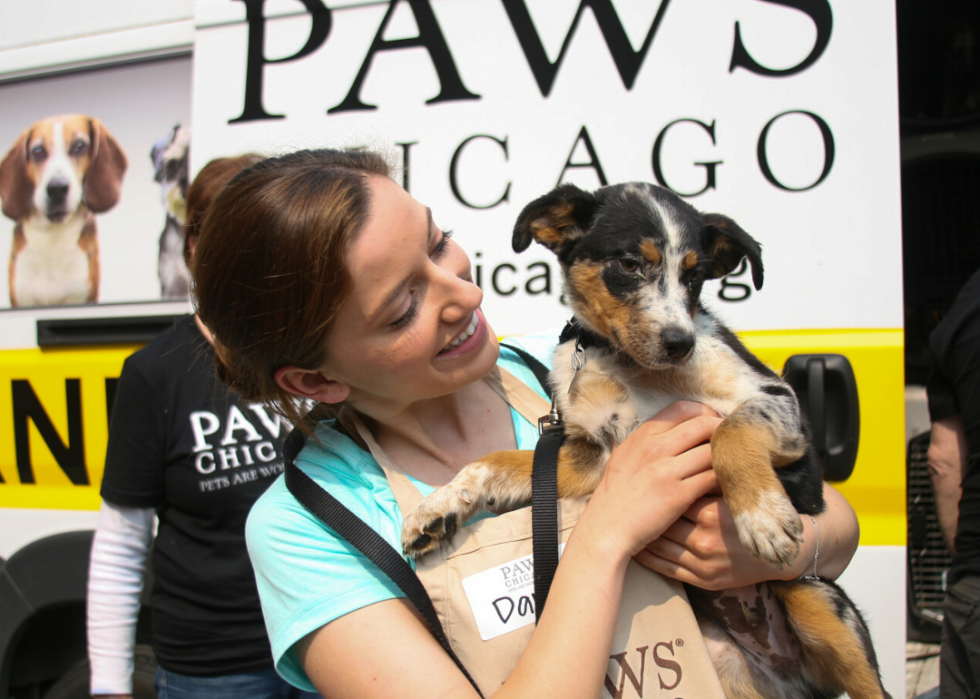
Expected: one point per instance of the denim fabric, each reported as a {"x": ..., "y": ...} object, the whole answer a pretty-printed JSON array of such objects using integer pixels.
[
  {"x": 959, "y": 660},
  {"x": 261, "y": 684}
]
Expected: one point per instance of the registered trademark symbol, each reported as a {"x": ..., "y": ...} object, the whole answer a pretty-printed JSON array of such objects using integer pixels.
[{"x": 679, "y": 642}]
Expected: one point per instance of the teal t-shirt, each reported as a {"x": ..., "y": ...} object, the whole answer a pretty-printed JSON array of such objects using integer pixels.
[{"x": 307, "y": 575}]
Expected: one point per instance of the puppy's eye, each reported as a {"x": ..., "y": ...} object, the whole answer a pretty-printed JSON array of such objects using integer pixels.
[
  {"x": 38, "y": 152},
  {"x": 78, "y": 146},
  {"x": 629, "y": 265},
  {"x": 694, "y": 280}
]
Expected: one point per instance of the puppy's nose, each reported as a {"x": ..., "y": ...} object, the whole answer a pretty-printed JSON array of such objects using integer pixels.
[
  {"x": 678, "y": 343},
  {"x": 57, "y": 191}
]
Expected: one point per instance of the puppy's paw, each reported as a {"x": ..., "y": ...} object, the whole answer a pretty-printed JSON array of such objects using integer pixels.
[
  {"x": 435, "y": 520},
  {"x": 772, "y": 531}
]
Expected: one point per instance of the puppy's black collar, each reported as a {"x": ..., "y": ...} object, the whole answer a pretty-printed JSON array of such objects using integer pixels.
[{"x": 586, "y": 338}]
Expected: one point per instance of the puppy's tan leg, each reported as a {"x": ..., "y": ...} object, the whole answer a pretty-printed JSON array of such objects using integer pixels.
[
  {"x": 501, "y": 479},
  {"x": 837, "y": 650},
  {"x": 498, "y": 481},
  {"x": 745, "y": 451},
  {"x": 597, "y": 414},
  {"x": 580, "y": 466}
]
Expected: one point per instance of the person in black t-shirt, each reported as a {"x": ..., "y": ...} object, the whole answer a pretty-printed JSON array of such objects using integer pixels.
[
  {"x": 184, "y": 448},
  {"x": 954, "y": 463}
]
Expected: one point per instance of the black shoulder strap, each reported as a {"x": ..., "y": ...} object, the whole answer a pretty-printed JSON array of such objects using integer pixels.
[
  {"x": 366, "y": 540},
  {"x": 536, "y": 366},
  {"x": 544, "y": 495},
  {"x": 544, "y": 520},
  {"x": 544, "y": 514}
]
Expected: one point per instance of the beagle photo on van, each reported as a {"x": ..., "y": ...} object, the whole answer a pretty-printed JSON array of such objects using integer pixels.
[
  {"x": 54, "y": 179},
  {"x": 634, "y": 258}
]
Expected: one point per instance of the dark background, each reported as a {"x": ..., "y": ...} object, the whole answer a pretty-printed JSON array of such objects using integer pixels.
[{"x": 939, "y": 105}]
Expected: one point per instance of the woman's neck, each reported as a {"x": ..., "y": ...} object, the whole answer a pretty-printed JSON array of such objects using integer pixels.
[
  {"x": 433, "y": 439},
  {"x": 205, "y": 330}
]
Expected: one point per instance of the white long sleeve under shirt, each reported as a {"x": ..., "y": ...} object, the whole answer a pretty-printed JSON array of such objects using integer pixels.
[{"x": 119, "y": 552}]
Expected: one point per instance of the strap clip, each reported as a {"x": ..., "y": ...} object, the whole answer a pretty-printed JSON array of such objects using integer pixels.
[{"x": 551, "y": 421}]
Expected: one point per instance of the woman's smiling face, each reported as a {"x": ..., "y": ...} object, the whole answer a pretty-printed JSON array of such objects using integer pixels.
[{"x": 411, "y": 328}]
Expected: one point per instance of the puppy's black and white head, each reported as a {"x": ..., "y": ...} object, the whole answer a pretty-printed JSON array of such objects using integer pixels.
[{"x": 634, "y": 257}]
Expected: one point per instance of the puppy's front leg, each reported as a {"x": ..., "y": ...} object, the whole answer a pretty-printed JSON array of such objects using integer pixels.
[
  {"x": 746, "y": 449},
  {"x": 501, "y": 480}
]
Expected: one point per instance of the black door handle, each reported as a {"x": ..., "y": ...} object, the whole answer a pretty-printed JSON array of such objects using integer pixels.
[{"x": 828, "y": 396}]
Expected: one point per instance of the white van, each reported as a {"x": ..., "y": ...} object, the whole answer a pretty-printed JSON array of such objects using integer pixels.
[{"x": 782, "y": 115}]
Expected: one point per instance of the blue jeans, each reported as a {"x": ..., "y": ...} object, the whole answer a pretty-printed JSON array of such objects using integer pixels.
[
  {"x": 959, "y": 659},
  {"x": 261, "y": 684}
]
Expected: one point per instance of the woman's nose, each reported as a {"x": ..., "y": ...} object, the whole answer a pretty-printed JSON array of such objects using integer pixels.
[{"x": 462, "y": 296}]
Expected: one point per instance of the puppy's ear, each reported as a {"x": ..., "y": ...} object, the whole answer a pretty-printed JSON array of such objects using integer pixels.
[
  {"x": 559, "y": 217},
  {"x": 103, "y": 181},
  {"x": 725, "y": 244},
  {"x": 16, "y": 187}
]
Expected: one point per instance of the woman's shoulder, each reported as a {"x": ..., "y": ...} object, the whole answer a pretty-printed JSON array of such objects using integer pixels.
[
  {"x": 307, "y": 574},
  {"x": 339, "y": 466},
  {"x": 540, "y": 345},
  {"x": 178, "y": 357}
]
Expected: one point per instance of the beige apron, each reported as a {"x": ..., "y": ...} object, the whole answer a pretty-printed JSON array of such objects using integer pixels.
[{"x": 481, "y": 583}]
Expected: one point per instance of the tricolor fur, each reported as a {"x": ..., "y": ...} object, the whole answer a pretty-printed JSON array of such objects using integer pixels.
[
  {"x": 171, "y": 160},
  {"x": 634, "y": 257},
  {"x": 56, "y": 176}
]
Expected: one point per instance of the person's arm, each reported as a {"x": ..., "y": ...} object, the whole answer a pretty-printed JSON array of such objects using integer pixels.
[
  {"x": 947, "y": 466},
  {"x": 702, "y": 547},
  {"x": 115, "y": 582},
  {"x": 385, "y": 649}
]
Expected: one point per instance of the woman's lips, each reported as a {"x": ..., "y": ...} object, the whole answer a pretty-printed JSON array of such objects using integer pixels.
[{"x": 476, "y": 332}]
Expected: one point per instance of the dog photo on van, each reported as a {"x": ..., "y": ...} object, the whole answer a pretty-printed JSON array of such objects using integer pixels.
[
  {"x": 171, "y": 161},
  {"x": 60, "y": 173}
]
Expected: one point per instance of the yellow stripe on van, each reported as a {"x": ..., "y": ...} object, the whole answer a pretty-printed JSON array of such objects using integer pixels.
[
  {"x": 69, "y": 386},
  {"x": 876, "y": 489}
]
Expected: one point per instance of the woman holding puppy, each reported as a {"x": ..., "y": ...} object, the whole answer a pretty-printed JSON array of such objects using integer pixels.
[{"x": 343, "y": 292}]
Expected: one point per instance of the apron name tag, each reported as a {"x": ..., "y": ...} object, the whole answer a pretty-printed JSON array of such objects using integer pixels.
[{"x": 502, "y": 598}]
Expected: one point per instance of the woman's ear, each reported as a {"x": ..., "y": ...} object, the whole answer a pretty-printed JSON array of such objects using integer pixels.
[{"x": 311, "y": 383}]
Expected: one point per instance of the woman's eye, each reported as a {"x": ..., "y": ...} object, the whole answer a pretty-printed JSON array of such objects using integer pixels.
[
  {"x": 442, "y": 244},
  {"x": 408, "y": 317},
  {"x": 629, "y": 265}
]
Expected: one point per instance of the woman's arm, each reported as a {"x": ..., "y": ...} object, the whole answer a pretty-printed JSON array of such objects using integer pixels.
[
  {"x": 702, "y": 547},
  {"x": 115, "y": 582},
  {"x": 947, "y": 466},
  {"x": 652, "y": 478}
]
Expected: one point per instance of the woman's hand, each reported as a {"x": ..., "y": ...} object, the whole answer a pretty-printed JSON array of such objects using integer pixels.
[
  {"x": 654, "y": 476},
  {"x": 702, "y": 547}
]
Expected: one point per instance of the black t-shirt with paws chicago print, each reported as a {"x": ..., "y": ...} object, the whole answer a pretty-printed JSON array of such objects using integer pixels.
[{"x": 184, "y": 444}]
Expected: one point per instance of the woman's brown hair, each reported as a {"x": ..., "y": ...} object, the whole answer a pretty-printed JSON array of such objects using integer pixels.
[
  {"x": 204, "y": 189},
  {"x": 270, "y": 269}
]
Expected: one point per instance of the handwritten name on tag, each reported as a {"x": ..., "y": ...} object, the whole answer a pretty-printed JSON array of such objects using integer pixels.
[{"x": 502, "y": 597}]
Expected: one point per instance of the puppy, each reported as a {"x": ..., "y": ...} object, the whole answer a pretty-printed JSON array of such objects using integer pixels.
[
  {"x": 56, "y": 176},
  {"x": 171, "y": 157},
  {"x": 634, "y": 258}
]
